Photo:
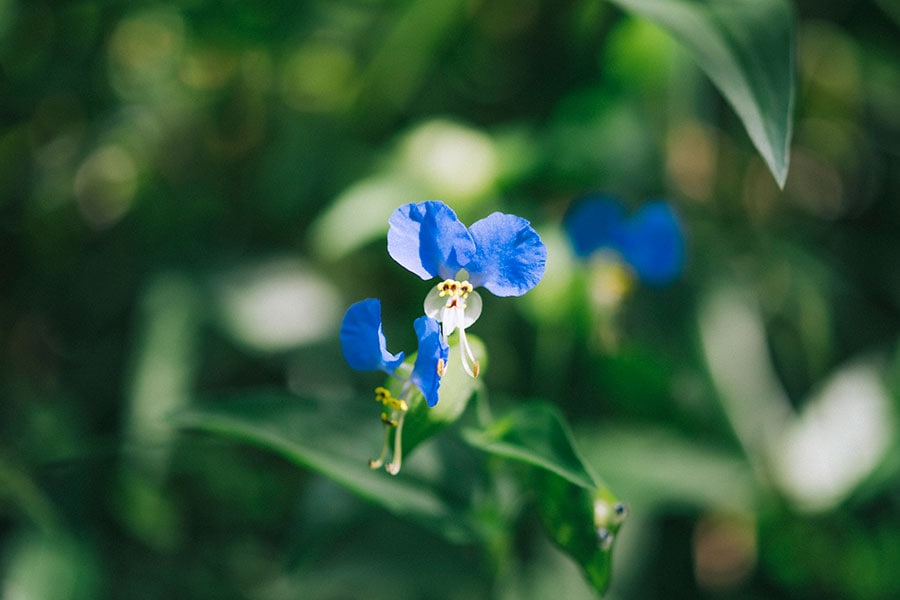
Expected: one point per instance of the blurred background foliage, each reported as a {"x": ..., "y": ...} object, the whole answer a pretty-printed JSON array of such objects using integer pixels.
[{"x": 191, "y": 192}]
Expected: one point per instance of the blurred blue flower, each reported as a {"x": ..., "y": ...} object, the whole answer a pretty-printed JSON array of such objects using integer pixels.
[
  {"x": 651, "y": 240},
  {"x": 365, "y": 347},
  {"x": 593, "y": 223},
  {"x": 501, "y": 253}
]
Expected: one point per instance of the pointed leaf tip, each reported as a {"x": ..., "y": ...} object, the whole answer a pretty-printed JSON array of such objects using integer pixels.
[{"x": 746, "y": 47}]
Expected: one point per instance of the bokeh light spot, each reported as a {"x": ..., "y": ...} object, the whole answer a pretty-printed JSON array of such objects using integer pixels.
[
  {"x": 317, "y": 76},
  {"x": 457, "y": 162},
  {"x": 105, "y": 185},
  {"x": 838, "y": 439},
  {"x": 725, "y": 551},
  {"x": 144, "y": 52},
  {"x": 278, "y": 305},
  {"x": 691, "y": 160}
]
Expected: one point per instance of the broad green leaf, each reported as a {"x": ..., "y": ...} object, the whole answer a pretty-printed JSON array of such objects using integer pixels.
[
  {"x": 335, "y": 439},
  {"x": 580, "y": 516},
  {"x": 535, "y": 434},
  {"x": 746, "y": 49}
]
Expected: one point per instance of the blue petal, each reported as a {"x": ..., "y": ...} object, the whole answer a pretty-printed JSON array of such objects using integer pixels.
[
  {"x": 593, "y": 223},
  {"x": 362, "y": 339},
  {"x": 432, "y": 348},
  {"x": 510, "y": 256},
  {"x": 427, "y": 239},
  {"x": 653, "y": 243}
]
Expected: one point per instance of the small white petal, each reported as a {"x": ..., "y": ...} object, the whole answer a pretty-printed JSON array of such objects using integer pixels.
[
  {"x": 450, "y": 320},
  {"x": 434, "y": 304},
  {"x": 473, "y": 309}
]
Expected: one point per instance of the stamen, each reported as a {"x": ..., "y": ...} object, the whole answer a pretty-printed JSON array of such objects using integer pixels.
[
  {"x": 448, "y": 287},
  {"x": 393, "y": 467},
  {"x": 383, "y": 395},
  {"x": 385, "y": 449},
  {"x": 467, "y": 368},
  {"x": 466, "y": 355},
  {"x": 392, "y": 417},
  {"x": 456, "y": 290},
  {"x": 440, "y": 367}
]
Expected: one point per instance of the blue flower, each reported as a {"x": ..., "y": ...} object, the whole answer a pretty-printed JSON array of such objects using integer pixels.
[
  {"x": 365, "y": 347},
  {"x": 431, "y": 358},
  {"x": 651, "y": 240},
  {"x": 501, "y": 253},
  {"x": 362, "y": 339}
]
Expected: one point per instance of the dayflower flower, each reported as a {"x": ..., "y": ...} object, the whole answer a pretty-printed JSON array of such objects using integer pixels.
[
  {"x": 501, "y": 253},
  {"x": 650, "y": 241},
  {"x": 365, "y": 349}
]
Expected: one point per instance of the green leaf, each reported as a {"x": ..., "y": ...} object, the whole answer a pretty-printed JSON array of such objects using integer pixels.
[
  {"x": 582, "y": 522},
  {"x": 746, "y": 49},
  {"x": 535, "y": 434},
  {"x": 334, "y": 439},
  {"x": 578, "y": 514}
]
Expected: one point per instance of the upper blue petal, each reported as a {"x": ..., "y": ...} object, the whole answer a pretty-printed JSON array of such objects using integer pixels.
[
  {"x": 509, "y": 255},
  {"x": 362, "y": 338},
  {"x": 429, "y": 240},
  {"x": 432, "y": 348},
  {"x": 653, "y": 243},
  {"x": 594, "y": 222}
]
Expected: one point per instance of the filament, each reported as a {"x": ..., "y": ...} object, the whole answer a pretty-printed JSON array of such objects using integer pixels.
[
  {"x": 393, "y": 467},
  {"x": 466, "y": 353},
  {"x": 385, "y": 448}
]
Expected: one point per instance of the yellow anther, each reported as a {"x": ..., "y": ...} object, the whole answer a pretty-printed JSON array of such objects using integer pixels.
[
  {"x": 454, "y": 289},
  {"x": 456, "y": 292},
  {"x": 475, "y": 369},
  {"x": 448, "y": 287},
  {"x": 383, "y": 395},
  {"x": 441, "y": 367}
]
